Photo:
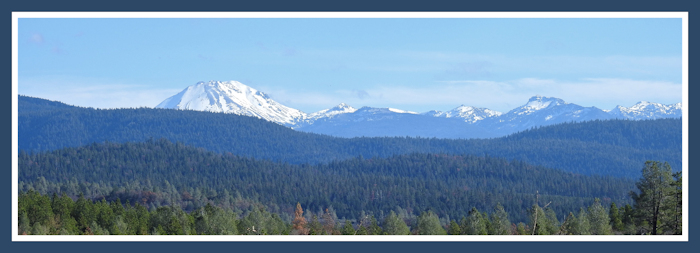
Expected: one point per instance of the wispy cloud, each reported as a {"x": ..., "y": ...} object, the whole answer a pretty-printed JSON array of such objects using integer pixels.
[
  {"x": 37, "y": 38},
  {"x": 362, "y": 94},
  {"x": 95, "y": 93},
  {"x": 460, "y": 65}
]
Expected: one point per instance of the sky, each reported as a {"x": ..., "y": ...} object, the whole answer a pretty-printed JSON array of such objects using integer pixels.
[{"x": 314, "y": 64}]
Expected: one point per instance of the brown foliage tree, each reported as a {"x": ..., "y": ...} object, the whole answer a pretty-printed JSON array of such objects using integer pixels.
[
  {"x": 299, "y": 223},
  {"x": 328, "y": 223}
]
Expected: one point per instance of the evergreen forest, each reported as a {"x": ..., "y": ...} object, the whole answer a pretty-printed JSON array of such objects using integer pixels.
[
  {"x": 611, "y": 147},
  {"x": 141, "y": 171},
  {"x": 656, "y": 210}
]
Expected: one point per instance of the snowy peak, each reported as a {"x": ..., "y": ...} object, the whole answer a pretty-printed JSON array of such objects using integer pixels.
[
  {"x": 338, "y": 109},
  {"x": 342, "y": 114},
  {"x": 541, "y": 111},
  {"x": 470, "y": 114},
  {"x": 433, "y": 113},
  {"x": 539, "y": 102},
  {"x": 232, "y": 97},
  {"x": 237, "y": 98},
  {"x": 374, "y": 110},
  {"x": 342, "y": 107},
  {"x": 647, "y": 110}
]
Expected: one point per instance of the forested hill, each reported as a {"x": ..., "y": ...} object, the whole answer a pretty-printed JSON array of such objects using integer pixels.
[
  {"x": 644, "y": 134},
  {"x": 599, "y": 147},
  {"x": 158, "y": 172}
]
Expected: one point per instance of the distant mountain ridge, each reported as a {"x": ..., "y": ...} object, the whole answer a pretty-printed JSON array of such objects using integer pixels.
[
  {"x": 542, "y": 111},
  {"x": 470, "y": 114},
  {"x": 648, "y": 110},
  {"x": 605, "y": 147},
  {"x": 346, "y": 121}
]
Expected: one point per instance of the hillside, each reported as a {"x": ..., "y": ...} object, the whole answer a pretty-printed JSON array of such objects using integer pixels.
[
  {"x": 611, "y": 147},
  {"x": 158, "y": 172}
]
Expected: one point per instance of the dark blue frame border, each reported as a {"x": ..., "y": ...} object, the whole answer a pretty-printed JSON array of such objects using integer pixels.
[{"x": 315, "y": 5}]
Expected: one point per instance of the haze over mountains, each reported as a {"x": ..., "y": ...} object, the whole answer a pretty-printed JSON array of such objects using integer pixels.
[{"x": 346, "y": 121}]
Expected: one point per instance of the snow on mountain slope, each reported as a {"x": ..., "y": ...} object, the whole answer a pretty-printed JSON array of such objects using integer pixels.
[
  {"x": 232, "y": 97},
  {"x": 537, "y": 103},
  {"x": 470, "y": 114},
  {"x": 647, "y": 110},
  {"x": 378, "y": 122},
  {"x": 364, "y": 113},
  {"x": 542, "y": 111},
  {"x": 346, "y": 121},
  {"x": 400, "y": 111},
  {"x": 309, "y": 119},
  {"x": 338, "y": 109}
]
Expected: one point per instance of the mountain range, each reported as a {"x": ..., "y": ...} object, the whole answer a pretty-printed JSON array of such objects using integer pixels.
[
  {"x": 345, "y": 121},
  {"x": 605, "y": 147}
]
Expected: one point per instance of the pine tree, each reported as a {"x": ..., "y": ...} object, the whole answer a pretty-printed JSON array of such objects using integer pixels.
[
  {"x": 454, "y": 228},
  {"x": 567, "y": 227},
  {"x": 538, "y": 221},
  {"x": 84, "y": 212},
  {"x": 276, "y": 226},
  {"x": 475, "y": 223},
  {"x": 255, "y": 223},
  {"x": 117, "y": 207},
  {"x": 24, "y": 227},
  {"x": 429, "y": 224},
  {"x": 361, "y": 230},
  {"x": 675, "y": 222},
  {"x": 654, "y": 190},
  {"x": 464, "y": 225},
  {"x": 62, "y": 206},
  {"x": 615, "y": 218},
  {"x": 374, "y": 228},
  {"x": 315, "y": 227},
  {"x": 552, "y": 222},
  {"x": 348, "y": 229},
  {"x": 393, "y": 225},
  {"x": 522, "y": 229},
  {"x": 105, "y": 216},
  {"x": 487, "y": 222},
  {"x": 120, "y": 227},
  {"x": 39, "y": 229},
  {"x": 38, "y": 209},
  {"x": 599, "y": 220},
  {"x": 581, "y": 225},
  {"x": 499, "y": 221},
  {"x": 628, "y": 219}
]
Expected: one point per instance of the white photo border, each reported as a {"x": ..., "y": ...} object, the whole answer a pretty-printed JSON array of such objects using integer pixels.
[{"x": 345, "y": 238}]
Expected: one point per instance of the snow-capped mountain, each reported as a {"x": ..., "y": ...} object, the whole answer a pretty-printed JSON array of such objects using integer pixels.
[
  {"x": 470, "y": 114},
  {"x": 537, "y": 103},
  {"x": 338, "y": 109},
  {"x": 232, "y": 97},
  {"x": 378, "y": 113},
  {"x": 345, "y": 112},
  {"x": 309, "y": 119},
  {"x": 380, "y": 122},
  {"x": 542, "y": 111},
  {"x": 345, "y": 121},
  {"x": 647, "y": 110}
]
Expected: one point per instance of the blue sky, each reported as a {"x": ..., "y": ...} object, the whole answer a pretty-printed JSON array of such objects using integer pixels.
[{"x": 314, "y": 64}]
